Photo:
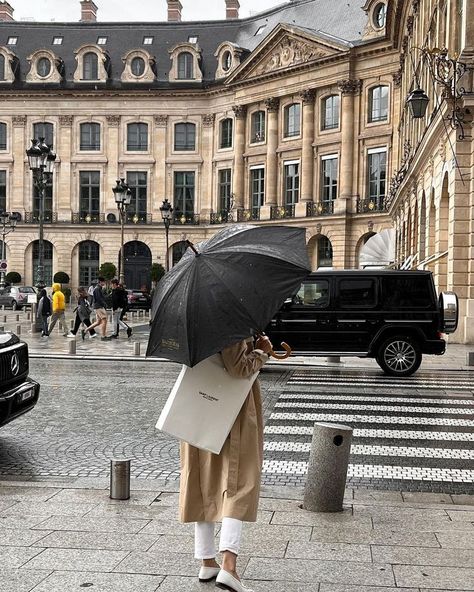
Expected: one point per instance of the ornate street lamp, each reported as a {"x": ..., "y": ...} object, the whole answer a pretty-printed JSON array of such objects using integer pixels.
[
  {"x": 8, "y": 224},
  {"x": 166, "y": 213},
  {"x": 418, "y": 101},
  {"x": 41, "y": 159},
  {"x": 123, "y": 197}
]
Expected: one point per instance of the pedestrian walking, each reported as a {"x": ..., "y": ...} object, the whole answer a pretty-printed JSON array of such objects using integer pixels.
[
  {"x": 83, "y": 312},
  {"x": 44, "y": 311},
  {"x": 225, "y": 487},
  {"x": 119, "y": 303},
  {"x": 99, "y": 306},
  {"x": 59, "y": 308}
]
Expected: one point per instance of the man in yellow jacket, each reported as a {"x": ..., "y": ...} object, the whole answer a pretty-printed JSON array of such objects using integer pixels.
[{"x": 59, "y": 306}]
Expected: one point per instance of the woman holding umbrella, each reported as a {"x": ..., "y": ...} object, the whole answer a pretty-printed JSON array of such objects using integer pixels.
[{"x": 226, "y": 487}]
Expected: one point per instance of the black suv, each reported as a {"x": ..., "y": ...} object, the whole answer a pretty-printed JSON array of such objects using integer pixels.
[
  {"x": 18, "y": 393},
  {"x": 392, "y": 316}
]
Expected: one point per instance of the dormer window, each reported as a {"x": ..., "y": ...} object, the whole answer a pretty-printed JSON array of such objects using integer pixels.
[
  {"x": 260, "y": 30},
  {"x": 185, "y": 66},
  {"x": 101, "y": 40},
  {"x": 228, "y": 58},
  {"x": 12, "y": 41},
  {"x": 91, "y": 60},
  {"x": 380, "y": 15},
  {"x": 43, "y": 67},
  {"x": 6, "y": 71},
  {"x": 90, "y": 66},
  {"x": 2, "y": 66},
  {"x": 192, "y": 39},
  {"x": 138, "y": 66},
  {"x": 147, "y": 40},
  {"x": 227, "y": 61},
  {"x": 57, "y": 40}
]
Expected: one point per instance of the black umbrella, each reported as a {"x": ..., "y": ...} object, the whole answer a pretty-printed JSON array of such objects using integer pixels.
[{"x": 225, "y": 289}]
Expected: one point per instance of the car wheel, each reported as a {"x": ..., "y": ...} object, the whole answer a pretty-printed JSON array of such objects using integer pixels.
[
  {"x": 399, "y": 356},
  {"x": 14, "y": 305}
]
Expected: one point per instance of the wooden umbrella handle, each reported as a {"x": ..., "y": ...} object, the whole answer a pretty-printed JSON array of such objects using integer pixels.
[{"x": 287, "y": 353}]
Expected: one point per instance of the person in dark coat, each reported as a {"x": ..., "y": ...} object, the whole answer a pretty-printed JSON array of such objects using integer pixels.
[
  {"x": 44, "y": 311},
  {"x": 119, "y": 303},
  {"x": 83, "y": 313}
]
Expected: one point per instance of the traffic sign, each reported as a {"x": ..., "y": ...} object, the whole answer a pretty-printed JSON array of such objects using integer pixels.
[{"x": 3, "y": 265}]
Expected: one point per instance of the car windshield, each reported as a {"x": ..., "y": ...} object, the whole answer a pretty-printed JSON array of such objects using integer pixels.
[{"x": 26, "y": 290}]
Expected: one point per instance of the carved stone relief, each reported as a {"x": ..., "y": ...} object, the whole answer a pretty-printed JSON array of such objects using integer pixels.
[
  {"x": 66, "y": 120},
  {"x": 113, "y": 120},
  {"x": 161, "y": 120},
  {"x": 272, "y": 104},
  {"x": 19, "y": 120},
  {"x": 307, "y": 96},
  {"x": 208, "y": 119},
  {"x": 350, "y": 86},
  {"x": 240, "y": 111},
  {"x": 289, "y": 52}
]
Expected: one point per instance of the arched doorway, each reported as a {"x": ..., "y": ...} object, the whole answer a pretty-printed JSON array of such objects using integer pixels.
[
  {"x": 324, "y": 252},
  {"x": 177, "y": 251},
  {"x": 88, "y": 262},
  {"x": 47, "y": 262},
  {"x": 360, "y": 243},
  {"x": 137, "y": 267}
]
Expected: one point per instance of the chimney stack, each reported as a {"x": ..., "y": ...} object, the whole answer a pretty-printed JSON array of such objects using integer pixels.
[
  {"x": 174, "y": 10},
  {"x": 88, "y": 11},
  {"x": 6, "y": 11},
  {"x": 232, "y": 9}
]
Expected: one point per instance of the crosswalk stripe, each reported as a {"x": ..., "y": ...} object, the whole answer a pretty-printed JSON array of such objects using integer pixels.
[
  {"x": 297, "y": 430},
  {"x": 468, "y": 402},
  {"x": 354, "y": 407},
  {"x": 384, "y": 384},
  {"x": 377, "y": 471},
  {"x": 384, "y": 419},
  {"x": 373, "y": 450},
  {"x": 315, "y": 375}
]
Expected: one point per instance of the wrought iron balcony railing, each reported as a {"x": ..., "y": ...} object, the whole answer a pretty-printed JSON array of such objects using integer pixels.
[
  {"x": 87, "y": 218},
  {"x": 180, "y": 218},
  {"x": 222, "y": 217},
  {"x": 320, "y": 208},
  {"x": 138, "y": 218},
  {"x": 280, "y": 212},
  {"x": 366, "y": 204},
  {"x": 48, "y": 217},
  {"x": 248, "y": 215}
]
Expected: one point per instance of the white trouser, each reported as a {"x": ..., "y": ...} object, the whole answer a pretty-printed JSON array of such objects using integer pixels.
[
  {"x": 117, "y": 322},
  {"x": 204, "y": 543}
]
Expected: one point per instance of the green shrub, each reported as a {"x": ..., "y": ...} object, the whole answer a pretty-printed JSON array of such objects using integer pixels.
[
  {"x": 61, "y": 277},
  {"x": 67, "y": 294},
  {"x": 157, "y": 272},
  {"x": 108, "y": 271},
  {"x": 13, "y": 277}
]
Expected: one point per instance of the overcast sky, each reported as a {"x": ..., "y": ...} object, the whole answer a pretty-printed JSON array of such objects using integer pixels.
[{"x": 132, "y": 10}]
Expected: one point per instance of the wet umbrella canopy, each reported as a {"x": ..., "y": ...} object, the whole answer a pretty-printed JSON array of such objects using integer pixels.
[{"x": 225, "y": 289}]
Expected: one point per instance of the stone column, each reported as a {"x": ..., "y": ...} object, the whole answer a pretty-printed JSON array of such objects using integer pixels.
[
  {"x": 113, "y": 151},
  {"x": 207, "y": 168},
  {"x": 240, "y": 112},
  {"x": 307, "y": 159},
  {"x": 62, "y": 188},
  {"x": 21, "y": 177},
  {"x": 158, "y": 188},
  {"x": 271, "y": 169},
  {"x": 348, "y": 89}
]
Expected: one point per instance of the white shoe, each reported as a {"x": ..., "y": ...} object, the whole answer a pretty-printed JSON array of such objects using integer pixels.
[
  {"x": 71, "y": 335},
  {"x": 92, "y": 336},
  {"x": 226, "y": 581},
  {"x": 206, "y": 574}
]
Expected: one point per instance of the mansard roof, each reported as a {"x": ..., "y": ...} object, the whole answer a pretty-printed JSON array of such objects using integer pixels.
[{"x": 343, "y": 21}]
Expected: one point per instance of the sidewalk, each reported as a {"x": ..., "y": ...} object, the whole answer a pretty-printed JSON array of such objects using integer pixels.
[{"x": 62, "y": 537}]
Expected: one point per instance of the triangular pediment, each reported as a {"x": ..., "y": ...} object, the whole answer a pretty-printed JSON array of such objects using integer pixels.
[{"x": 287, "y": 47}]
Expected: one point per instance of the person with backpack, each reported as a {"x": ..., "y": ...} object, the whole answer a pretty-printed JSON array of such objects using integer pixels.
[
  {"x": 83, "y": 313},
  {"x": 44, "y": 311},
  {"x": 119, "y": 303},
  {"x": 59, "y": 308}
]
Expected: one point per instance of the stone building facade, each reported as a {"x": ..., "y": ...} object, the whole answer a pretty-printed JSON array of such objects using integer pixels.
[{"x": 295, "y": 115}]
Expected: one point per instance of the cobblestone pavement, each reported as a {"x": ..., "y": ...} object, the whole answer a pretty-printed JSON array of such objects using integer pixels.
[{"x": 411, "y": 434}]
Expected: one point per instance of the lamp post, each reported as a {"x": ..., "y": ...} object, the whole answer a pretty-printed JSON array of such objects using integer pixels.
[
  {"x": 41, "y": 159},
  {"x": 8, "y": 222},
  {"x": 166, "y": 213},
  {"x": 123, "y": 197}
]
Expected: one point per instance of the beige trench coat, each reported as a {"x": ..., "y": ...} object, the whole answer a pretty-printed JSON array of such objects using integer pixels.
[{"x": 214, "y": 486}]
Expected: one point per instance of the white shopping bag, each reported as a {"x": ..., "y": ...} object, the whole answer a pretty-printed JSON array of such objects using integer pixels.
[{"x": 204, "y": 404}]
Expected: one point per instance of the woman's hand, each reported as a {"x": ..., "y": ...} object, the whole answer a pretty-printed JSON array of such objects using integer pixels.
[{"x": 264, "y": 344}]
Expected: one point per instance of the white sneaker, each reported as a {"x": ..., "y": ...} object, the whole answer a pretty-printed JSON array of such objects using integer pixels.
[
  {"x": 92, "y": 336},
  {"x": 206, "y": 574},
  {"x": 226, "y": 581},
  {"x": 71, "y": 335}
]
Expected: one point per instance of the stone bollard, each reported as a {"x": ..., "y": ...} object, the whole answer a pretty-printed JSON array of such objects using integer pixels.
[
  {"x": 28, "y": 316},
  {"x": 333, "y": 359},
  {"x": 72, "y": 323},
  {"x": 120, "y": 479},
  {"x": 18, "y": 330},
  {"x": 136, "y": 348},
  {"x": 5, "y": 318},
  {"x": 2, "y": 328},
  {"x": 17, "y": 318},
  {"x": 33, "y": 328},
  {"x": 327, "y": 468},
  {"x": 470, "y": 359},
  {"x": 72, "y": 347},
  {"x": 140, "y": 313}
]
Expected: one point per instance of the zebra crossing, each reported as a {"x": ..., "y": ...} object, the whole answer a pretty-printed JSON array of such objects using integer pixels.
[{"x": 413, "y": 433}]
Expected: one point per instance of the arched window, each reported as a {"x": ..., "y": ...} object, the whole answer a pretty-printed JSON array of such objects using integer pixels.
[
  {"x": 3, "y": 136},
  {"x": 292, "y": 120},
  {"x": 88, "y": 262},
  {"x": 2, "y": 66},
  {"x": 90, "y": 136},
  {"x": 257, "y": 133},
  {"x": 185, "y": 136},
  {"x": 378, "y": 104},
  {"x": 90, "y": 66},
  {"x": 324, "y": 252},
  {"x": 185, "y": 66},
  {"x": 48, "y": 263},
  {"x": 137, "y": 137},
  {"x": 44, "y": 130},
  {"x": 330, "y": 113},
  {"x": 380, "y": 15},
  {"x": 137, "y": 66},
  {"x": 226, "y": 133}
]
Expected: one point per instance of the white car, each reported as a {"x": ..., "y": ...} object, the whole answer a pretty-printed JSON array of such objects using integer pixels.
[{"x": 17, "y": 296}]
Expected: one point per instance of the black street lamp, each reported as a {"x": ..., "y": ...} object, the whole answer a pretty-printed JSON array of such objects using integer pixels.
[
  {"x": 123, "y": 197},
  {"x": 41, "y": 159},
  {"x": 418, "y": 101},
  {"x": 8, "y": 224},
  {"x": 166, "y": 213}
]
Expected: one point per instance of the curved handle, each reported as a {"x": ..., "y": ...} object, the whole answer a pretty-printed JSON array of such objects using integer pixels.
[{"x": 287, "y": 353}]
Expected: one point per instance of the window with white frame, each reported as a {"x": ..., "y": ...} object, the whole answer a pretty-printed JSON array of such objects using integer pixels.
[
  {"x": 226, "y": 133},
  {"x": 257, "y": 127},
  {"x": 292, "y": 120},
  {"x": 185, "y": 136},
  {"x": 291, "y": 183},
  {"x": 329, "y": 165},
  {"x": 378, "y": 104},
  {"x": 330, "y": 112},
  {"x": 225, "y": 189},
  {"x": 3, "y": 136},
  {"x": 137, "y": 137},
  {"x": 376, "y": 176},
  {"x": 90, "y": 66},
  {"x": 3, "y": 191},
  {"x": 44, "y": 130},
  {"x": 257, "y": 189},
  {"x": 184, "y": 188},
  {"x": 89, "y": 194},
  {"x": 137, "y": 210},
  {"x": 185, "y": 66},
  {"x": 90, "y": 136}
]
